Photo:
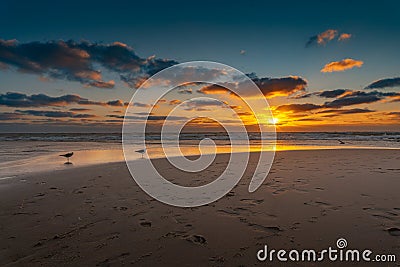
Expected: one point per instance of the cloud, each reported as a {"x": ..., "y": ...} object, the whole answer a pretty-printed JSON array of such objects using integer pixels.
[
  {"x": 163, "y": 118},
  {"x": 183, "y": 74},
  {"x": 349, "y": 98},
  {"x": 395, "y": 114},
  {"x": 342, "y": 65},
  {"x": 322, "y": 38},
  {"x": 150, "y": 117},
  {"x": 395, "y": 98},
  {"x": 141, "y": 105},
  {"x": 344, "y": 36},
  {"x": 13, "y": 99},
  {"x": 185, "y": 91},
  {"x": 175, "y": 102},
  {"x": 101, "y": 84},
  {"x": 55, "y": 114},
  {"x": 325, "y": 94},
  {"x": 270, "y": 87},
  {"x": 203, "y": 104},
  {"x": 116, "y": 103},
  {"x": 78, "y": 61},
  {"x": 6, "y": 116},
  {"x": 79, "y": 109},
  {"x": 359, "y": 97},
  {"x": 212, "y": 89},
  {"x": 383, "y": 83},
  {"x": 298, "y": 107},
  {"x": 338, "y": 112}
]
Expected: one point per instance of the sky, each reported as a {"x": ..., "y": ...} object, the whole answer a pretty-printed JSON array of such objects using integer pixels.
[{"x": 322, "y": 66}]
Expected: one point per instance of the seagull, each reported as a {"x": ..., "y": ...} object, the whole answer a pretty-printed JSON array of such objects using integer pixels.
[
  {"x": 68, "y": 155},
  {"x": 141, "y": 151},
  {"x": 341, "y": 142}
]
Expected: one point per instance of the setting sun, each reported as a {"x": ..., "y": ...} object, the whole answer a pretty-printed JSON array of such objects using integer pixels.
[{"x": 274, "y": 121}]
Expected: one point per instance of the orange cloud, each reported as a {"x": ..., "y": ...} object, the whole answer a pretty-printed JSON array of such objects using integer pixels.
[
  {"x": 213, "y": 89},
  {"x": 342, "y": 65},
  {"x": 344, "y": 36},
  {"x": 102, "y": 84},
  {"x": 326, "y": 36},
  {"x": 175, "y": 102}
]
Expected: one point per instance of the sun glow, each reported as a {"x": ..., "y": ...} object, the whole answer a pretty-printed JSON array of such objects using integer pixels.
[{"x": 274, "y": 121}]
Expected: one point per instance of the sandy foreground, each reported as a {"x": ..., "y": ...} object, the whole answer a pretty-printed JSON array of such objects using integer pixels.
[{"x": 98, "y": 216}]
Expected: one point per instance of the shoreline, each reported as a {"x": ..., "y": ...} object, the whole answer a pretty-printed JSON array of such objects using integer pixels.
[{"x": 59, "y": 166}]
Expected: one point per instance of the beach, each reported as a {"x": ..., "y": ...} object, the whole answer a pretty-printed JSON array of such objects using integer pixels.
[{"x": 98, "y": 216}]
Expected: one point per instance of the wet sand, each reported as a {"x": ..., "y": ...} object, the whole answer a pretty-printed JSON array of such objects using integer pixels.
[{"x": 98, "y": 216}]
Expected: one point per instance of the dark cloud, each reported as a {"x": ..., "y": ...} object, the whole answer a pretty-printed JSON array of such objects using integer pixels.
[
  {"x": 150, "y": 117},
  {"x": 141, "y": 105},
  {"x": 383, "y": 83},
  {"x": 76, "y": 61},
  {"x": 285, "y": 86},
  {"x": 359, "y": 97},
  {"x": 325, "y": 94},
  {"x": 333, "y": 93},
  {"x": 346, "y": 111},
  {"x": 345, "y": 98},
  {"x": 298, "y": 107},
  {"x": 55, "y": 114},
  {"x": 270, "y": 87},
  {"x": 312, "y": 41},
  {"x": 116, "y": 103},
  {"x": 13, "y": 99}
]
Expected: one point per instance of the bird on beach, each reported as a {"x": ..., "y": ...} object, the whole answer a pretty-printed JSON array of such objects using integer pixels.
[
  {"x": 341, "y": 142},
  {"x": 68, "y": 155},
  {"x": 141, "y": 151}
]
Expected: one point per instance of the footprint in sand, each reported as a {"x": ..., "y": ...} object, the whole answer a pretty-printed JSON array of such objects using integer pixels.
[
  {"x": 252, "y": 202},
  {"x": 380, "y": 213},
  {"x": 268, "y": 229},
  {"x": 228, "y": 212},
  {"x": 77, "y": 191},
  {"x": 197, "y": 239},
  {"x": 394, "y": 231},
  {"x": 145, "y": 224},
  {"x": 115, "y": 259}
]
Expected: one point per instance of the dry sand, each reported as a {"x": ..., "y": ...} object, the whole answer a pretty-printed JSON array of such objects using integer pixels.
[{"x": 98, "y": 216}]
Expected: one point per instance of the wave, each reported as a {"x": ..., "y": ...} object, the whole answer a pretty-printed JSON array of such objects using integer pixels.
[{"x": 281, "y": 136}]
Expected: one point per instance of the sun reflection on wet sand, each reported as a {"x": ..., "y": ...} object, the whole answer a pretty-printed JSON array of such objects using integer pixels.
[{"x": 91, "y": 157}]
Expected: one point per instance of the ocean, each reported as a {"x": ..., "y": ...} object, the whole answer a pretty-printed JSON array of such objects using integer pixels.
[{"x": 22, "y": 153}]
